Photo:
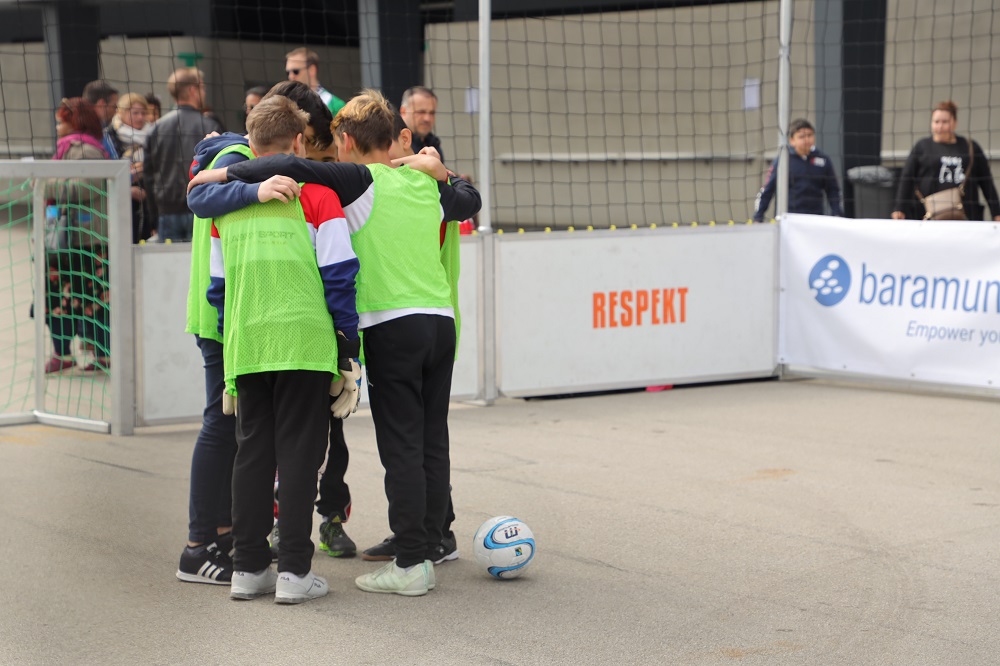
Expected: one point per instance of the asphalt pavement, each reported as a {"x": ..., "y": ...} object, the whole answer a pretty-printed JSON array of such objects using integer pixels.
[{"x": 795, "y": 522}]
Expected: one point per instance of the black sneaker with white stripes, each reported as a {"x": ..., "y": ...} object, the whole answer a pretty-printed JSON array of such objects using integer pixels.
[{"x": 205, "y": 564}]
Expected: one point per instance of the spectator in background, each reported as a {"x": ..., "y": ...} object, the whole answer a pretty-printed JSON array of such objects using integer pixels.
[
  {"x": 253, "y": 97},
  {"x": 810, "y": 176},
  {"x": 941, "y": 162},
  {"x": 155, "y": 109},
  {"x": 169, "y": 151},
  {"x": 104, "y": 99},
  {"x": 132, "y": 131},
  {"x": 419, "y": 111},
  {"x": 302, "y": 65},
  {"x": 76, "y": 303}
]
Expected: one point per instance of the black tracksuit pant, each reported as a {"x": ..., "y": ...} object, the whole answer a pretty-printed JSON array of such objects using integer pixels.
[
  {"x": 409, "y": 364},
  {"x": 334, "y": 494},
  {"x": 282, "y": 424}
]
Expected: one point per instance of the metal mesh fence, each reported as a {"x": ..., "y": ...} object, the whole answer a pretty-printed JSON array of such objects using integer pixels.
[
  {"x": 603, "y": 113},
  {"x": 77, "y": 300}
]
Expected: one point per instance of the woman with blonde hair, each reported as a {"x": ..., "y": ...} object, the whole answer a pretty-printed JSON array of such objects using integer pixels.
[
  {"x": 945, "y": 172},
  {"x": 131, "y": 131}
]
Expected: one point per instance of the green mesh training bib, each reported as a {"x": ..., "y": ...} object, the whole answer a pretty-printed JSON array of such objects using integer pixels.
[
  {"x": 399, "y": 248},
  {"x": 276, "y": 314},
  {"x": 202, "y": 318}
]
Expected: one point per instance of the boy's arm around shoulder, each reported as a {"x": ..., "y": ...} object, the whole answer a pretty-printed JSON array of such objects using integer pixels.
[
  {"x": 212, "y": 199},
  {"x": 459, "y": 199}
]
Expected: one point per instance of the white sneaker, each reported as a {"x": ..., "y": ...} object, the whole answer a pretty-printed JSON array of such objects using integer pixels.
[
  {"x": 391, "y": 579},
  {"x": 431, "y": 577},
  {"x": 294, "y": 589},
  {"x": 249, "y": 585}
]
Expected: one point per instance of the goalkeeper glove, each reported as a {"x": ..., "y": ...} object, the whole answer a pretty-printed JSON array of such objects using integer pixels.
[
  {"x": 346, "y": 389},
  {"x": 229, "y": 407},
  {"x": 346, "y": 403}
]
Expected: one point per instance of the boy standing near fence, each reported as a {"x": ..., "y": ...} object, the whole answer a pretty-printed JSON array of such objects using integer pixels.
[
  {"x": 811, "y": 176},
  {"x": 288, "y": 317}
]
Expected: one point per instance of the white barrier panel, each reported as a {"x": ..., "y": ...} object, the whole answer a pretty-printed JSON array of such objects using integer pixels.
[
  {"x": 465, "y": 379},
  {"x": 170, "y": 379},
  {"x": 892, "y": 299},
  {"x": 582, "y": 311},
  {"x": 170, "y": 376}
]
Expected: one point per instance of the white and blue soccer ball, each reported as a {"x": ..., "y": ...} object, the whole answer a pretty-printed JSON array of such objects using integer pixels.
[{"x": 504, "y": 546}]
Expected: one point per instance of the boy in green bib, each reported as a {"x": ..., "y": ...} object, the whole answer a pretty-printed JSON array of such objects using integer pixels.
[{"x": 283, "y": 282}]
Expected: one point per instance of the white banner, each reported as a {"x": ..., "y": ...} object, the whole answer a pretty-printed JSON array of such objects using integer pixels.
[
  {"x": 898, "y": 299},
  {"x": 582, "y": 311}
]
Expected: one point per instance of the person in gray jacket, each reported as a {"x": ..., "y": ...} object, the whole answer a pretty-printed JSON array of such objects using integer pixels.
[{"x": 170, "y": 149}]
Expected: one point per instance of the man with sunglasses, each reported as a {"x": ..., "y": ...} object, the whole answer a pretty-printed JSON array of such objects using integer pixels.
[{"x": 302, "y": 65}]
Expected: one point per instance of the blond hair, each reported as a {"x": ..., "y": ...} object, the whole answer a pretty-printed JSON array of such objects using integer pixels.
[
  {"x": 126, "y": 101},
  {"x": 368, "y": 119},
  {"x": 184, "y": 79},
  {"x": 274, "y": 124}
]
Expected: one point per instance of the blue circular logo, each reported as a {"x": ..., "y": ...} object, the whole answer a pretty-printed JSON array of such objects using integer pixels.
[{"x": 830, "y": 279}]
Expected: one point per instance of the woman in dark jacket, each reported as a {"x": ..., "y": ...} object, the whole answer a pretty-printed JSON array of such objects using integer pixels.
[{"x": 941, "y": 162}]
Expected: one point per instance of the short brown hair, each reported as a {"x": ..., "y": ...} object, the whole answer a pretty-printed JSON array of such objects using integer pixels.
[
  {"x": 948, "y": 106},
  {"x": 275, "y": 122},
  {"x": 368, "y": 119},
  {"x": 183, "y": 79},
  {"x": 798, "y": 125},
  {"x": 311, "y": 57},
  {"x": 98, "y": 90}
]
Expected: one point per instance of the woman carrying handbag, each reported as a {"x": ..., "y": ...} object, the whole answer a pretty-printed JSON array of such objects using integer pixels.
[{"x": 945, "y": 172}]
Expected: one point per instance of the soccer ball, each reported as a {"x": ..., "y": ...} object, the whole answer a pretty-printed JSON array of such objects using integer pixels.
[{"x": 504, "y": 546}]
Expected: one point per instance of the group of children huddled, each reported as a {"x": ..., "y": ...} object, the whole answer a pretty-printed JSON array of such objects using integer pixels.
[{"x": 302, "y": 269}]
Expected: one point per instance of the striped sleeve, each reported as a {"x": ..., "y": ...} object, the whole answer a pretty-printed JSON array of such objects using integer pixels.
[
  {"x": 338, "y": 265},
  {"x": 216, "y": 294}
]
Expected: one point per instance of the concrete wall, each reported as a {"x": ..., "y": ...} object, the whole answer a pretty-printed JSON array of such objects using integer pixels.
[{"x": 26, "y": 109}]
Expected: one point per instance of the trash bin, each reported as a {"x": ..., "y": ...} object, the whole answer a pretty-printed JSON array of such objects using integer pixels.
[{"x": 874, "y": 191}]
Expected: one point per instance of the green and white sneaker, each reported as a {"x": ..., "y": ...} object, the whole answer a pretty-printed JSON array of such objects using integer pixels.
[
  {"x": 334, "y": 541},
  {"x": 391, "y": 579}
]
